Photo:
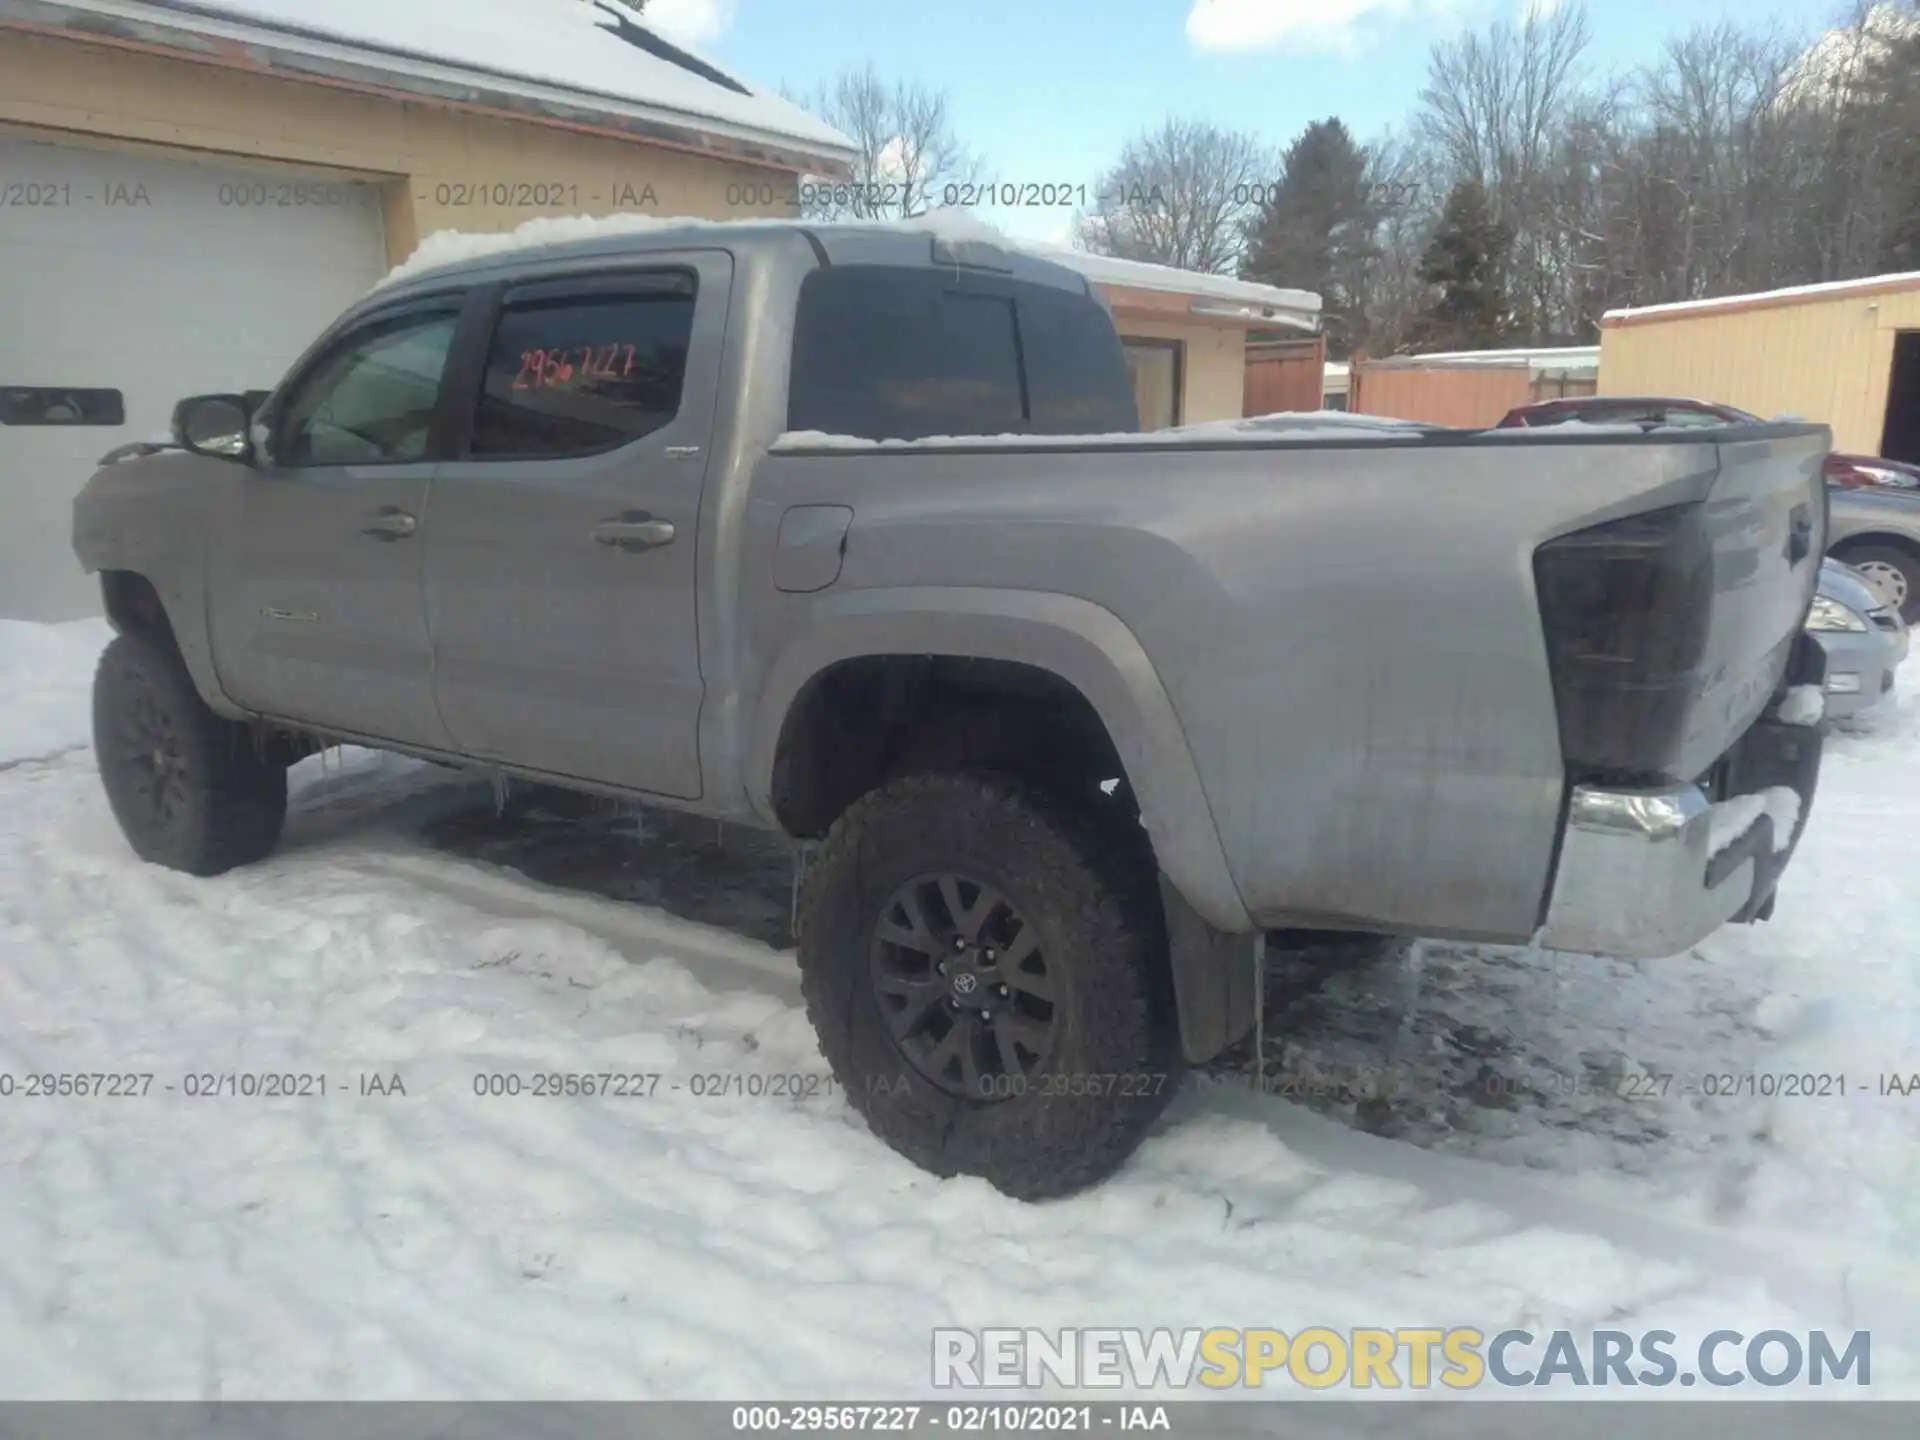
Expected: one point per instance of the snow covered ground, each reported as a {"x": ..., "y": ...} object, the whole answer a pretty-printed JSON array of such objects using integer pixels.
[{"x": 1465, "y": 1169}]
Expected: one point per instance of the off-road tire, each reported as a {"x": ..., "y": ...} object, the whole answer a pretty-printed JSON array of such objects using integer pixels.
[
  {"x": 1087, "y": 886},
  {"x": 228, "y": 797}
]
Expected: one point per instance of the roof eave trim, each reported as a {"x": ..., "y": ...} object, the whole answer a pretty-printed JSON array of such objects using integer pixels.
[{"x": 296, "y": 57}]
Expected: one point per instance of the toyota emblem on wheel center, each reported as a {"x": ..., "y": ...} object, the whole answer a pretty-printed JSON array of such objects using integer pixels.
[{"x": 964, "y": 982}]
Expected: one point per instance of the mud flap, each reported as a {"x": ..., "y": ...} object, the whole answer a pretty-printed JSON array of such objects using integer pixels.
[
  {"x": 1213, "y": 979},
  {"x": 1774, "y": 753}
]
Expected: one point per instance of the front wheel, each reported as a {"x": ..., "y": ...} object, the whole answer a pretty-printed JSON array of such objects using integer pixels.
[
  {"x": 191, "y": 790},
  {"x": 986, "y": 969}
]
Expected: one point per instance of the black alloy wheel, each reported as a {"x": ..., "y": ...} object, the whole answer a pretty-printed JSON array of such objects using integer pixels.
[{"x": 963, "y": 983}]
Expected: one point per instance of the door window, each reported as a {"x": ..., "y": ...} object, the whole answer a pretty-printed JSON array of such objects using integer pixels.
[
  {"x": 577, "y": 374},
  {"x": 371, "y": 400}
]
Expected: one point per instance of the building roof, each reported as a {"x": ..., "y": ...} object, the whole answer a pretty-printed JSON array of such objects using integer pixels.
[
  {"x": 1765, "y": 299},
  {"x": 1550, "y": 360},
  {"x": 1249, "y": 300},
  {"x": 593, "y": 60}
]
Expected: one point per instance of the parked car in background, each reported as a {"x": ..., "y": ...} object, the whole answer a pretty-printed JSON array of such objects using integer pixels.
[
  {"x": 1875, "y": 524},
  {"x": 1864, "y": 639}
]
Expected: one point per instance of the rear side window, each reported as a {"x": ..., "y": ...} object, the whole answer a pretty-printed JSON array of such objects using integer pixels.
[
  {"x": 1076, "y": 366},
  {"x": 577, "y": 374},
  {"x": 892, "y": 353}
]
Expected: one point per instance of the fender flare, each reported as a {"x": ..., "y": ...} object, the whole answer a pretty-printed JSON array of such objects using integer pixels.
[{"x": 1082, "y": 643}]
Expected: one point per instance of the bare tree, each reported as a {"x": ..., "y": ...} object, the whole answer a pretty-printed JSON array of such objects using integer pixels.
[
  {"x": 910, "y": 158},
  {"x": 1406, "y": 194},
  {"x": 1180, "y": 195},
  {"x": 1495, "y": 107},
  {"x": 1714, "y": 102}
]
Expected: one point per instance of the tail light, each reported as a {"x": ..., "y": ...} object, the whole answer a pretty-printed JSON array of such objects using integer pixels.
[{"x": 1627, "y": 610}]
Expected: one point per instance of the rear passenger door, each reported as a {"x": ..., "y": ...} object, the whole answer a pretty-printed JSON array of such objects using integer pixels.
[{"x": 561, "y": 537}]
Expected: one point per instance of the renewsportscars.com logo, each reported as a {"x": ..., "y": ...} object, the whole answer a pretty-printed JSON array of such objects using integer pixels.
[{"x": 1369, "y": 1358}]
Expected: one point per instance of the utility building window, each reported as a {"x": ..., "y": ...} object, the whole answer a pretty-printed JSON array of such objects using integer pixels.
[{"x": 1157, "y": 369}]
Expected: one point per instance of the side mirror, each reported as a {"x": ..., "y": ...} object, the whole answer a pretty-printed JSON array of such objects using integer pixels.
[{"x": 214, "y": 425}]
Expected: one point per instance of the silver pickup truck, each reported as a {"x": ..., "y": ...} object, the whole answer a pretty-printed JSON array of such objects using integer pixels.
[{"x": 848, "y": 532}]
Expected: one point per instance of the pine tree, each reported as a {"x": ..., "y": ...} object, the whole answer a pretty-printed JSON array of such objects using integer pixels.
[
  {"x": 1315, "y": 229},
  {"x": 1464, "y": 260}
]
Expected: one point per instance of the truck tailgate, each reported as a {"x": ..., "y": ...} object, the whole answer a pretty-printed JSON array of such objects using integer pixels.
[{"x": 1669, "y": 631}]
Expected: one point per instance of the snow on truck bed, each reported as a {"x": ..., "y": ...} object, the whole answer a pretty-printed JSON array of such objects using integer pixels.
[{"x": 449, "y": 1244}]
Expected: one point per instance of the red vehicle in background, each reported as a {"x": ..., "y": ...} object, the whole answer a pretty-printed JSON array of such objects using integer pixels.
[{"x": 1849, "y": 472}]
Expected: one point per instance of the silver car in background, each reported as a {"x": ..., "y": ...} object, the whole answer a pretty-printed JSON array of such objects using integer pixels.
[{"x": 1863, "y": 636}]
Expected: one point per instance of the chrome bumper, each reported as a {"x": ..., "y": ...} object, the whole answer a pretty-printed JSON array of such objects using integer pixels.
[
  {"x": 1639, "y": 876},
  {"x": 1633, "y": 872}
]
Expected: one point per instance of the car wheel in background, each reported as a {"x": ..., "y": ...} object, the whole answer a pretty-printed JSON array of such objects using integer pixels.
[{"x": 1895, "y": 573}]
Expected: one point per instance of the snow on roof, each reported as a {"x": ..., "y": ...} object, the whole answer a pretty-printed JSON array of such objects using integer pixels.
[
  {"x": 1539, "y": 361},
  {"x": 1761, "y": 299},
  {"x": 1286, "y": 305},
  {"x": 1280, "y": 304},
  {"x": 446, "y": 247},
  {"x": 584, "y": 49}
]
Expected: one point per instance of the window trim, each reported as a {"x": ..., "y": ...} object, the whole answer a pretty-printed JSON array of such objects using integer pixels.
[
  {"x": 455, "y": 304},
  {"x": 468, "y": 373},
  {"x": 1179, "y": 349}
]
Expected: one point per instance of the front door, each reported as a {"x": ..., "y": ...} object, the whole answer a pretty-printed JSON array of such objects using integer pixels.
[
  {"x": 561, "y": 548},
  {"x": 317, "y": 606}
]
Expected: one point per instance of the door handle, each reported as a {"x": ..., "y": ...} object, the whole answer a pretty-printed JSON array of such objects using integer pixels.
[
  {"x": 390, "y": 522},
  {"x": 634, "y": 530}
]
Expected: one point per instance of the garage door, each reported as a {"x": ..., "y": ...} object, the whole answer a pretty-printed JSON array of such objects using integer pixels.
[{"x": 127, "y": 282}]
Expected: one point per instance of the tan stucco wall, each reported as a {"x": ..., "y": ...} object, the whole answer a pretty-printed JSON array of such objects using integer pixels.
[
  {"x": 1216, "y": 365},
  {"x": 1829, "y": 360},
  {"x": 423, "y": 154}
]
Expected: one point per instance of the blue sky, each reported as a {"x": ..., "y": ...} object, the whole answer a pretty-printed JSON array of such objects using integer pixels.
[{"x": 1050, "y": 89}]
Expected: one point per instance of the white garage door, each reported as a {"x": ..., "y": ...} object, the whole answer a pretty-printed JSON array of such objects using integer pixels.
[{"x": 126, "y": 283}]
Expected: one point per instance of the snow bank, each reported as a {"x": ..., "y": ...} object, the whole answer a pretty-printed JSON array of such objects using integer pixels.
[
  {"x": 449, "y": 1244},
  {"x": 46, "y": 672}
]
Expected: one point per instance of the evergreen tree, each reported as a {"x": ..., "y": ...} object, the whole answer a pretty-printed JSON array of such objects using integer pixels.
[
  {"x": 1315, "y": 229},
  {"x": 1464, "y": 261}
]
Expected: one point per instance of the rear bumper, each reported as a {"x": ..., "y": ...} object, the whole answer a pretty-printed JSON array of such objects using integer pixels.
[{"x": 1648, "y": 873}]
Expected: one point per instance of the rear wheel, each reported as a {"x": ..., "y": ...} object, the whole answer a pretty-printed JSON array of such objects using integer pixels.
[
  {"x": 191, "y": 790},
  {"x": 1895, "y": 573},
  {"x": 986, "y": 969}
]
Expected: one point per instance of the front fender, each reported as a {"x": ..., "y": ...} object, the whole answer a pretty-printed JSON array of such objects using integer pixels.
[{"x": 1083, "y": 644}]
